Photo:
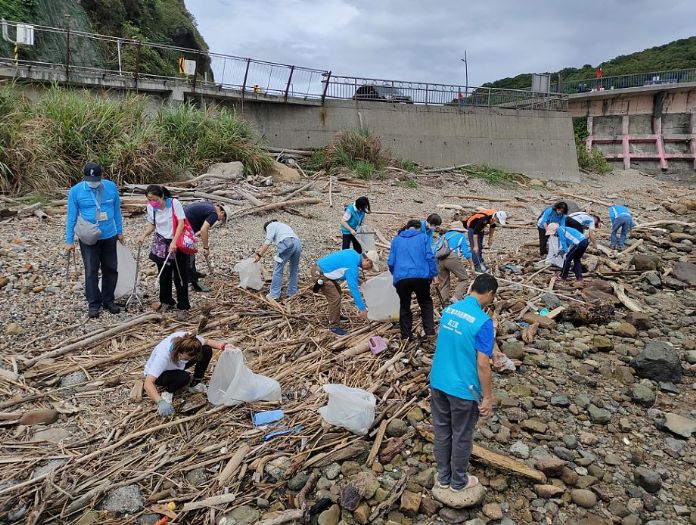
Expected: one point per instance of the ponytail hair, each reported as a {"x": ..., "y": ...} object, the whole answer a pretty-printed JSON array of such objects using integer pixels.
[
  {"x": 413, "y": 223},
  {"x": 159, "y": 191},
  {"x": 186, "y": 344}
]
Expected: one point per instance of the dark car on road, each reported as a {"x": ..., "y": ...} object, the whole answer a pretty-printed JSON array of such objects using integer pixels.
[{"x": 381, "y": 93}]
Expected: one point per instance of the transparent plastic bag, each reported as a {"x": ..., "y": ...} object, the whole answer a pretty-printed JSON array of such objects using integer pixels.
[
  {"x": 366, "y": 237},
  {"x": 381, "y": 298},
  {"x": 250, "y": 274},
  {"x": 233, "y": 383},
  {"x": 553, "y": 257},
  {"x": 126, "y": 272},
  {"x": 349, "y": 408}
]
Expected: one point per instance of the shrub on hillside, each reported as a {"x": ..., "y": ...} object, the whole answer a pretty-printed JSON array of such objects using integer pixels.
[{"x": 357, "y": 150}]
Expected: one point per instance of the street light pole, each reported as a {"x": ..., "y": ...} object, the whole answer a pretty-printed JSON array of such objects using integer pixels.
[{"x": 466, "y": 74}]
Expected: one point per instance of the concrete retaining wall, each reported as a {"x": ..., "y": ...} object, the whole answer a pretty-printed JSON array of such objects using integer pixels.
[{"x": 537, "y": 143}]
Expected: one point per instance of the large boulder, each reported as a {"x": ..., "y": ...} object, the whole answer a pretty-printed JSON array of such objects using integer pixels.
[
  {"x": 645, "y": 263},
  {"x": 227, "y": 170},
  {"x": 658, "y": 361},
  {"x": 282, "y": 173},
  {"x": 685, "y": 272}
]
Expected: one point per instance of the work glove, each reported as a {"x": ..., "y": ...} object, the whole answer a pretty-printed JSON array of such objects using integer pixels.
[{"x": 164, "y": 408}]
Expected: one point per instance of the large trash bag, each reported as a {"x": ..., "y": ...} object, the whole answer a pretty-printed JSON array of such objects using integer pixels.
[
  {"x": 366, "y": 237},
  {"x": 250, "y": 275},
  {"x": 553, "y": 257},
  {"x": 349, "y": 408},
  {"x": 233, "y": 383},
  {"x": 126, "y": 272},
  {"x": 381, "y": 298}
]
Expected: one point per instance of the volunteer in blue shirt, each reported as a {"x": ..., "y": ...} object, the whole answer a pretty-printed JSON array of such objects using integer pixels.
[
  {"x": 455, "y": 262},
  {"x": 202, "y": 216},
  {"x": 621, "y": 221},
  {"x": 352, "y": 218},
  {"x": 331, "y": 270},
  {"x": 461, "y": 386},
  {"x": 556, "y": 214},
  {"x": 413, "y": 267},
  {"x": 429, "y": 225},
  {"x": 573, "y": 244},
  {"x": 96, "y": 200}
]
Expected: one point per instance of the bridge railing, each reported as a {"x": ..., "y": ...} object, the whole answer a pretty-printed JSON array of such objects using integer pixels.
[
  {"x": 654, "y": 78},
  {"x": 108, "y": 56}
]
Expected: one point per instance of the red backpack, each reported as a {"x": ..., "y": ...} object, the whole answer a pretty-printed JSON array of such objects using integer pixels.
[{"x": 187, "y": 242}]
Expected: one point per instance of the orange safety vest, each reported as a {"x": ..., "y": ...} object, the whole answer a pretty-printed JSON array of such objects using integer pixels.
[{"x": 478, "y": 215}]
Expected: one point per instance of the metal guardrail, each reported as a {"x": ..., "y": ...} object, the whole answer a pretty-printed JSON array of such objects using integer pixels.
[
  {"x": 655, "y": 78},
  {"x": 103, "y": 55}
]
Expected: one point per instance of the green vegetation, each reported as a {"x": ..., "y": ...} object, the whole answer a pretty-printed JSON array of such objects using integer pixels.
[
  {"x": 405, "y": 165},
  {"x": 494, "y": 175},
  {"x": 357, "y": 150},
  {"x": 593, "y": 161},
  {"x": 407, "y": 183},
  {"x": 45, "y": 144},
  {"x": 679, "y": 54}
]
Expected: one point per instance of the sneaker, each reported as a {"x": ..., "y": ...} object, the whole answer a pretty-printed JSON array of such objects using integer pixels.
[
  {"x": 472, "y": 482},
  {"x": 164, "y": 308},
  {"x": 198, "y": 388},
  {"x": 199, "y": 274},
  {"x": 338, "y": 331},
  {"x": 198, "y": 287},
  {"x": 93, "y": 313},
  {"x": 439, "y": 485},
  {"x": 167, "y": 396},
  {"x": 112, "y": 308},
  {"x": 182, "y": 315},
  {"x": 344, "y": 318},
  {"x": 271, "y": 298}
]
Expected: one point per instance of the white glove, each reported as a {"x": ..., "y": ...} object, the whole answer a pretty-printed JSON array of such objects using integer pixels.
[{"x": 164, "y": 408}]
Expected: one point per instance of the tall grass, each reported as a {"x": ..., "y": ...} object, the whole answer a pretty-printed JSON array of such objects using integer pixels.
[
  {"x": 44, "y": 145},
  {"x": 357, "y": 150}
]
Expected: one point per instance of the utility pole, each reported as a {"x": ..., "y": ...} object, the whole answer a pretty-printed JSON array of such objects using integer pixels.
[{"x": 466, "y": 75}]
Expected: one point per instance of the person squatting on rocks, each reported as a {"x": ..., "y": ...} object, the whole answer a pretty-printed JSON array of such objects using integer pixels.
[
  {"x": 172, "y": 264},
  {"x": 352, "y": 218},
  {"x": 461, "y": 387},
  {"x": 95, "y": 201},
  {"x": 589, "y": 223},
  {"x": 413, "y": 267},
  {"x": 429, "y": 225},
  {"x": 621, "y": 225},
  {"x": 202, "y": 216},
  {"x": 456, "y": 261},
  {"x": 573, "y": 246},
  {"x": 289, "y": 249},
  {"x": 476, "y": 226},
  {"x": 167, "y": 365},
  {"x": 328, "y": 273},
  {"x": 556, "y": 214}
]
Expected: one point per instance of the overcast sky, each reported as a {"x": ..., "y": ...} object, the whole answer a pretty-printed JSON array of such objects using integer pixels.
[{"x": 423, "y": 41}]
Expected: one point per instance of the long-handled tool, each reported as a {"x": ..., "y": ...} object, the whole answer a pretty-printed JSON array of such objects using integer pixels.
[
  {"x": 134, "y": 293},
  {"x": 67, "y": 266},
  {"x": 164, "y": 264},
  {"x": 211, "y": 271},
  {"x": 439, "y": 295}
]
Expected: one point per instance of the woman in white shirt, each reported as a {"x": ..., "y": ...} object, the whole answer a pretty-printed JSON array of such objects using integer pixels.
[
  {"x": 161, "y": 210},
  {"x": 167, "y": 365}
]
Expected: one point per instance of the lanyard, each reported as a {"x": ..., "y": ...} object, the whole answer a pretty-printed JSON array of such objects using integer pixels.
[{"x": 99, "y": 192}]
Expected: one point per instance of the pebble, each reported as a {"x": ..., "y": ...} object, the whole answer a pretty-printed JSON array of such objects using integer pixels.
[
  {"x": 520, "y": 450},
  {"x": 397, "y": 428},
  {"x": 243, "y": 515},
  {"x": 647, "y": 479},
  {"x": 583, "y": 498},
  {"x": 74, "y": 378},
  {"x": 124, "y": 500}
]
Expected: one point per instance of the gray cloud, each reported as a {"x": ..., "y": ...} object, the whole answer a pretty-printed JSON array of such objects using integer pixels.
[{"x": 424, "y": 41}]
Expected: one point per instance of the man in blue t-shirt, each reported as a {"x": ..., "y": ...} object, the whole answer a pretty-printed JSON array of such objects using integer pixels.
[{"x": 461, "y": 386}]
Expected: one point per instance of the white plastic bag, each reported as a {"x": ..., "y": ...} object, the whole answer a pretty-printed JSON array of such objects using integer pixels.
[
  {"x": 366, "y": 237},
  {"x": 553, "y": 257},
  {"x": 126, "y": 272},
  {"x": 381, "y": 298},
  {"x": 349, "y": 408},
  {"x": 250, "y": 275},
  {"x": 233, "y": 383}
]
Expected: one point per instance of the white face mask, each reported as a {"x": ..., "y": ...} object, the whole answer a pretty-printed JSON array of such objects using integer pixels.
[{"x": 93, "y": 184}]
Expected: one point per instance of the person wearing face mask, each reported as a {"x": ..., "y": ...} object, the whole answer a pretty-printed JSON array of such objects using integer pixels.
[
  {"x": 95, "y": 203},
  {"x": 165, "y": 217}
]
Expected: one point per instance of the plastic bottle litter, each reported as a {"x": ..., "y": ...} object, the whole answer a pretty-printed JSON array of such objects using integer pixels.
[
  {"x": 381, "y": 298},
  {"x": 250, "y": 274},
  {"x": 349, "y": 408}
]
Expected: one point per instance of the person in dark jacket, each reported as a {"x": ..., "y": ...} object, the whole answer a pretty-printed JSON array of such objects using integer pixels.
[
  {"x": 202, "y": 216},
  {"x": 413, "y": 267}
]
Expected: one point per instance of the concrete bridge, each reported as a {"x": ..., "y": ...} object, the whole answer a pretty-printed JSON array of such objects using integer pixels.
[{"x": 650, "y": 127}]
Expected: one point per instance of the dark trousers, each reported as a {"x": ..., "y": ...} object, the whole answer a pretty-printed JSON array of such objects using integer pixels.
[
  {"x": 573, "y": 258},
  {"x": 349, "y": 238},
  {"x": 101, "y": 255},
  {"x": 176, "y": 270},
  {"x": 454, "y": 421},
  {"x": 476, "y": 239},
  {"x": 543, "y": 241},
  {"x": 421, "y": 287},
  {"x": 193, "y": 273},
  {"x": 173, "y": 380}
]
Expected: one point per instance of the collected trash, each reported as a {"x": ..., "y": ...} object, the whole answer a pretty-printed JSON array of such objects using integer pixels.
[
  {"x": 381, "y": 298},
  {"x": 266, "y": 417},
  {"x": 503, "y": 362},
  {"x": 553, "y": 257},
  {"x": 250, "y": 274},
  {"x": 544, "y": 312},
  {"x": 349, "y": 408},
  {"x": 377, "y": 344},
  {"x": 293, "y": 430},
  {"x": 366, "y": 237},
  {"x": 233, "y": 383},
  {"x": 125, "y": 283}
]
